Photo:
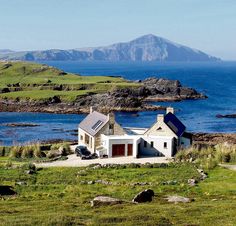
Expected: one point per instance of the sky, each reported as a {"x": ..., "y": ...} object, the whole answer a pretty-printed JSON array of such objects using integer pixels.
[{"x": 208, "y": 25}]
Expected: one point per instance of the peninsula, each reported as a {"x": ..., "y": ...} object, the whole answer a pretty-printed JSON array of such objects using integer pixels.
[{"x": 32, "y": 87}]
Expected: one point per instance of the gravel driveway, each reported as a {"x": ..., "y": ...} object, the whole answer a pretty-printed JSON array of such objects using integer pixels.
[
  {"x": 231, "y": 167},
  {"x": 74, "y": 161}
]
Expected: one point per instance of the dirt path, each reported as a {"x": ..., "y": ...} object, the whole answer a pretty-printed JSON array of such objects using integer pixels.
[{"x": 231, "y": 167}]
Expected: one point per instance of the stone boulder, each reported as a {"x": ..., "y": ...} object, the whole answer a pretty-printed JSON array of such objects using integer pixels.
[
  {"x": 192, "y": 182},
  {"x": 203, "y": 175},
  {"x": 30, "y": 171},
  {"x": 144, "y": 196},
  {"x": 20, "y": 183},
  {"x": 177, "y": 199},
  {"x": 5, "y": 90},
  {"x": 6, "y": 190},
  {"x": 105, "y": 201},
  {"x": 61, "y": 151},
  {"x": 54, "y": 153}
]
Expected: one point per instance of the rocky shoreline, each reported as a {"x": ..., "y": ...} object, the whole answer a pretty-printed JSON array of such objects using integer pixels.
[
  {"x": 202, "y": 139},
  {"x": 226, "y": 116},
  {"x": 214, "y": 138},
  {"x": 121, "y": 99}
]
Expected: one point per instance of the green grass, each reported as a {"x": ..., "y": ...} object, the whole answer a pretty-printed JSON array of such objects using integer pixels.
[
  {"x": 37, "y": 82},
  {"x": 45, "y": 94},
  {"x": 24, "y": 72},
  {"x": 55, "y": 196}
]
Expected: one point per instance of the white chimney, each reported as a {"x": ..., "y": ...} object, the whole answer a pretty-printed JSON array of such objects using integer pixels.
[
  {"x": 91, "y": 110},
  {"x": 111, "y": 117},
  {"x": 170, "y": 110},
  {"x": 160, "y": 118}
]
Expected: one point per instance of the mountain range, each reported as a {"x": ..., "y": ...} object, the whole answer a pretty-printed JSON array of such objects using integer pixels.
[{"x": 145, "y": 48}]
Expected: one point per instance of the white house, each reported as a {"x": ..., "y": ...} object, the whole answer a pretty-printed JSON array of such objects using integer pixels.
[{"x": 101, "y": 133}]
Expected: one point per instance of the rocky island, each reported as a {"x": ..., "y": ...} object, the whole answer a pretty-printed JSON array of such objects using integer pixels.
[{"x": 32, "y": 87}]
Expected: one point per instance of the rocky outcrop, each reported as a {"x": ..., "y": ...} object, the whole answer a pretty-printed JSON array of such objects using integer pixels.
[
  {"x": 105, "y": 201},
  {"x": 213, "y": 138},
  {"x": 6, "y": 190},
  {"x": 177, "y": 199},
  {"x": 168, "y": 90},
  {"x": 132, "y": 98},
  {"x": 226, "y": 116},
  {"x": 192, "y": 182},
  {"x": 144, "y": 196},
  {"x": 61, "y": 151},
  {"x": 203, "y": 175},
  {"x": 20, "y": 124}
]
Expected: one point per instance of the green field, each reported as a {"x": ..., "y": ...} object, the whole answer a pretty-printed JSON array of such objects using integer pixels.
[
  {"x": 31, "y": 81},
  {"x": 56, "y": 196}
]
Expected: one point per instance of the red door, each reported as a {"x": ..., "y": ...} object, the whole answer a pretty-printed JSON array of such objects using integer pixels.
[
  {"x": 118, "y": 150},
  {"x": 130, "y": 149}
]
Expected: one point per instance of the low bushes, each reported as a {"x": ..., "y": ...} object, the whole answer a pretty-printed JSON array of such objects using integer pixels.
[
  {"x": 208, "y": 157},
  {"x": 27, "y": 151},
  {"x": 4, "y": 151},
  {"x": 36, "y": 151}
]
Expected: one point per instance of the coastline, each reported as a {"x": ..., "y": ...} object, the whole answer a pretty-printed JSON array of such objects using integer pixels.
[
  {"x": 48, "y": 89},
  {"x": 67, "y": 108}
]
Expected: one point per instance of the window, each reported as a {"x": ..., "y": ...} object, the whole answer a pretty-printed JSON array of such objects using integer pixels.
[
  {"x": 145, "y": 144},
  {"x": 165, "y": 144},
  {"x": 81, "y": 137},
  {"x": 152, "y": 143},
  {"x": 86, "y": 139},
  {"x": 111, "y": 126},
  {"x": 159, "y": 128},
  {"x": 97, "y": 125}
]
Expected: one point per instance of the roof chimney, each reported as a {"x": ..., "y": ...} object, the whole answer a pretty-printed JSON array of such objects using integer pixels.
[
  {"x": 160, "y": 118},
  {"x": 169, "y": 110},
  {"x": 91, "y": 110},
  {"x": 111, "y": 117}
]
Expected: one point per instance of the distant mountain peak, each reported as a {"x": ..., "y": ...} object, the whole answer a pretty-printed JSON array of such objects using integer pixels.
[{"x": 145, "y": 48}]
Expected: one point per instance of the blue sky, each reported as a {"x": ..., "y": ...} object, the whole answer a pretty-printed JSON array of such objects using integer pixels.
[{"x": 208, "y": 25}]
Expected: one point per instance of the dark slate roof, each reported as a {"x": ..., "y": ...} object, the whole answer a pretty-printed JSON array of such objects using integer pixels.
[
  {"x": 174, "y": 124},
  {"x": 93, "y": 122}
]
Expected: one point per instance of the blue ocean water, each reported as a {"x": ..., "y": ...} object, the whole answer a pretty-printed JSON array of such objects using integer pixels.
[{"x": 217, "y": 80}]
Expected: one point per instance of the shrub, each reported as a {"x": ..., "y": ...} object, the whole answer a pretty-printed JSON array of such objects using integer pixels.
[
  {"x": 133, "y": 165},
  {"x": 233, "y": 156},
  {"x": 16, "y": 152},
  {"x": 226, "y": 157},
  {"x": 37, "y": 153},
  {"x": 2, "y": 151},
  {"x": 209, "y": 163},
  {"x": 8, "y": 164},
  {"x": 147, "y": 165},
  {"x": 29, "y": 166},
  {"x": 27, "y": 152},
  {"x": 55, "y": 146},
  {"x": 208, "y": 157},
  {"x": 66, "y": 149}
]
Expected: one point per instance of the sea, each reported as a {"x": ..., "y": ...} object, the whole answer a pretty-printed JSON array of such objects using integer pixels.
[{"x": 217, "y": 80}]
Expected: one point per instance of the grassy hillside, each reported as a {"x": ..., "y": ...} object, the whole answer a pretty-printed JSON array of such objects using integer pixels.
[
  {"x": 59, "y": 196},
  {"x": 34, "y": 81}
]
